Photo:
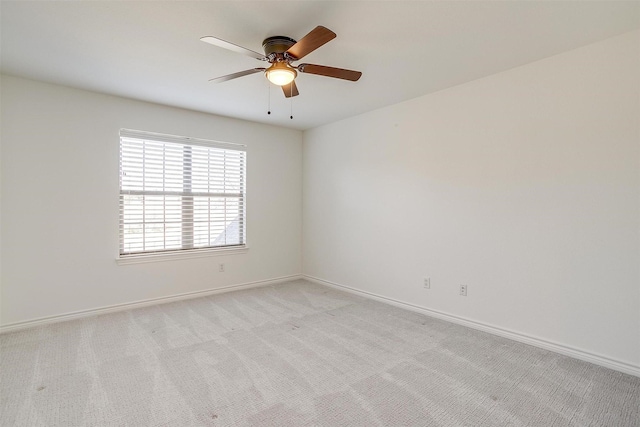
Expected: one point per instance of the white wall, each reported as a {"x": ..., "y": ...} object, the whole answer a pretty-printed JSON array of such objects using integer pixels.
[
  {"x": 524, "y": 186},
  {"x": 60, "y": 202}
]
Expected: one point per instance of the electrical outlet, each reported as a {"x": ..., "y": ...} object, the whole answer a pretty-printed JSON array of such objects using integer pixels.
[
  {"x": 463, "y": 290},
  {"x": 221, "y": 268},
  {"x": 427, "y": 283}
]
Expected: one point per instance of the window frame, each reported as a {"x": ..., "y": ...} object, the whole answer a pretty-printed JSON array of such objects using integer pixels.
[{"x": 181, "y": 253}]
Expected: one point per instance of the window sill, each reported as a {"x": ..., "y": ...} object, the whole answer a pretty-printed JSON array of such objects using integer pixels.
[{"x": 173, "y": 256}]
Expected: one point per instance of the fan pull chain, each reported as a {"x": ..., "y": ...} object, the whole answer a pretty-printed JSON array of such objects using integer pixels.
[
  {"x": 268, "y": 98},
  {"x": 291, "y": 100}
]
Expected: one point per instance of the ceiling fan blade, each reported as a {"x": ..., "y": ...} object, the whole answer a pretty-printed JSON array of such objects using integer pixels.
[
  {"x": 290, "y": 90},
  {"x": 338, "y": 73},
  {"x": 316, "y": 38},
  {"x": 232, "y": 47},
  {"x": 236, "y": 75}
]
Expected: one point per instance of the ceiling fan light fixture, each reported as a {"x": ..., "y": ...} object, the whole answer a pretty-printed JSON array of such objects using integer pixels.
[
  {"x": 280, "y": 74},
  {"x": 279, "y": 53}
]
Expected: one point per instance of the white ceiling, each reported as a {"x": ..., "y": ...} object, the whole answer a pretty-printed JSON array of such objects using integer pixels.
[{"x": 150, "y": 50}]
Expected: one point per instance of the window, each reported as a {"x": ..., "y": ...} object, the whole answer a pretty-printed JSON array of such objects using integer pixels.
[{"x": 180, "y": 194}]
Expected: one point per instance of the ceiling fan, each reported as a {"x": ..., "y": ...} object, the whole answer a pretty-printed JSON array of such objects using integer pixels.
[{"x": 280, "y": 52}]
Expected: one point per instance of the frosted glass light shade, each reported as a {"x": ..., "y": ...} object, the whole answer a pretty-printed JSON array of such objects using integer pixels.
[{"x": 280, "y": 74}]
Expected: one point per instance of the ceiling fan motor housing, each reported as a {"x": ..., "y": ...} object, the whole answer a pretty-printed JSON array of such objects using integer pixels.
[{"x": 275, "y": 47}]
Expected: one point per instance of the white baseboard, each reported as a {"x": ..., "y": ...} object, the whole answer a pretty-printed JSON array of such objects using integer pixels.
[
  {"x": 516, "y": 336},
  {"x": 12, "y": 327}
]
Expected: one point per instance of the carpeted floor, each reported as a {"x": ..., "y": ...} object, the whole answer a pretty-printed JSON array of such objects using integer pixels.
[{"x": 296, "y": 354}]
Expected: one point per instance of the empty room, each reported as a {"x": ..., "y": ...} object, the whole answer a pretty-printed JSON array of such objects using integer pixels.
[{"x": 318, "y": 213}]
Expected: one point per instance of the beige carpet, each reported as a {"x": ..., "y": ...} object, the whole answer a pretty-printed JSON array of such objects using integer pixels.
[{"x": 296, "y": 354}]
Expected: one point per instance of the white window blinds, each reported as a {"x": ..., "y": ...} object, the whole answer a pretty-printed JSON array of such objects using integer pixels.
[{"x": 180, "y": 194}]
